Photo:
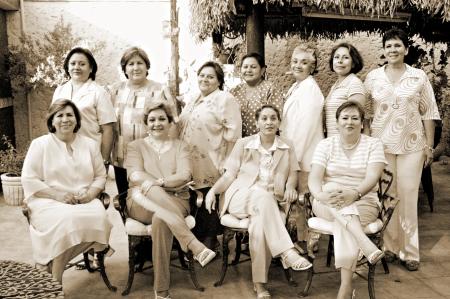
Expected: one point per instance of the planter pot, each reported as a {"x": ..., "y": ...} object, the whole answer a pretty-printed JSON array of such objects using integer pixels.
[{"x": 12, "y": 189}]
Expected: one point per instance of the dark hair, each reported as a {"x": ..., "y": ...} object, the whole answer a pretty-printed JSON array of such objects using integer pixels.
[
  {"x": 217, "y": 69},
  {"x": 57, "y": 106},
  {"x": 155, "y": 105},
  {"x": 350, "y": 104},
  {"x": 396, "y": 33},
  {"x": 89, "y": 56},
  {"x": 357, "y": 60},
  {"x": 259, "y": 58},
  {"x": 258, "y": 111},
  {"x": 130, "y": 53}
]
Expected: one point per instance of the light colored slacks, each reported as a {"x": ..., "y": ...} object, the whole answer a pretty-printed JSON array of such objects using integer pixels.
[
  {"x": 267, "y": 232},
  {"x": 402, "y": 233},
  {"x": 167, "y": 221},
  {"x": 345, "y": 246}
]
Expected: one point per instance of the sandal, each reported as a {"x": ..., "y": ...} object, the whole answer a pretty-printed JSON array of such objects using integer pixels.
[
  {"x": 390, "y": 257},
  {"x": 161, "y": 297},
  {"x": 411, "y": 265},
  {"x": 205, "y": 256},
  {"x": 262, "y": 295},
  {"x": 291, "y": 259},
  {"x": 375, "y": 257}
]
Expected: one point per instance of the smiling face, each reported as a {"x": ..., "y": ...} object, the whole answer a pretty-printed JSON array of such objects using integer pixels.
[
  {"x": 251, "y": 71},
  {"x": 207, "y": 80},
  {"x": 342, "y": 61},
  {"x": 268, "y": 122},
  {"x": 64, "y": 121},
  {"x": 79, "y": 67},
  {"x": 158, "y": 123},
  {"x": 349, "y": 121},
  {"x": 302, "y": 65},
  {"x": 395, "y": 51},
  {"x": 136, "y": 69}
]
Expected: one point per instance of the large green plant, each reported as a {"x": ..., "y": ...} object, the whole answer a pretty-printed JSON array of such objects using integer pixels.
[{"x": 39, "y": 62}]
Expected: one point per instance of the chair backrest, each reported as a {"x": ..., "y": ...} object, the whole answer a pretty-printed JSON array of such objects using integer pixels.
[
  {"x": 388, "y": 203},
  {"x": 120, "y": 203}
]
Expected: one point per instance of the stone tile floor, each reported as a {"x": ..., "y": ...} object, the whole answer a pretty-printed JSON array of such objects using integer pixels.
[{"x": 432, "y": 281}]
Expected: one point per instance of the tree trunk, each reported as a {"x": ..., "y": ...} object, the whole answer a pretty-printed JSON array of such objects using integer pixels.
[
  {"x": 173, "y": 77},
  {"x": 255, "y": 28}
]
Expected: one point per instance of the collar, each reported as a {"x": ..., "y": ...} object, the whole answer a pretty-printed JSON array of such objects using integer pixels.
[
  {"x": 255, "y": 143},
  {"x": 410, "y": 72}
]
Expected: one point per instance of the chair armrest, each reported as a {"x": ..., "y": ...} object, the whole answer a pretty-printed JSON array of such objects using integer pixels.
[
  {"x": 26, "y": 212},
  {"x": 105, "y": 199}
]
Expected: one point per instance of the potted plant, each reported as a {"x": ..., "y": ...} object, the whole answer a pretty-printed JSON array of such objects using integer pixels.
[{"x": 11, "y": 162}]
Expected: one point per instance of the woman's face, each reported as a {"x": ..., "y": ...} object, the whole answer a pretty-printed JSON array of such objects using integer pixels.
[
  {"x": 342, "y": 61},
  {"x": 395, "y": 51},
  {"x": 207, "y": 80},
  {"x": 349, "y": 122},
  {"x": 268, "y": 122},
  {"x": 251, "y": 71},
  {"x": 158, "y": 123},
  {"x": 64, "y": 121},
  {"x": 79, "y": 67},
  {"x": 136, "y": 69},
  {"x": 301, "y": 65}
]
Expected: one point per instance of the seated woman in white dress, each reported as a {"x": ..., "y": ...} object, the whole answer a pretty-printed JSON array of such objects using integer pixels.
[
  {"x": 62, "y": 176},
  {"x": 260, "y": 173},
  {"x": 343, "y": 181},
  {"x": 159, "y": 172}
]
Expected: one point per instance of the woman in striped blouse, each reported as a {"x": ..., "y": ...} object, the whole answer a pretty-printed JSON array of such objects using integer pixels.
[{"x": 344, "y": 174}]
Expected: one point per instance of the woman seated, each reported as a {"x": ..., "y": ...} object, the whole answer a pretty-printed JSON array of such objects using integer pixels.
[
  {"x": 343, "y": 181},
  {"x": 62, "y": 176},
  {"x": 261, "y": 172},
  {"x": 159, "y": 172}
]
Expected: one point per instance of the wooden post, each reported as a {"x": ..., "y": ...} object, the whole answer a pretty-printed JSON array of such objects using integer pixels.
[
  {"x": 173, "y": 76},
  {"x": 254, "y": 31}
]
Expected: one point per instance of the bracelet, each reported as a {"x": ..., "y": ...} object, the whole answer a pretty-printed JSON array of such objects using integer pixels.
[
  {"x": 430, "y": 148},
  {"x": 359, "y": 194}
]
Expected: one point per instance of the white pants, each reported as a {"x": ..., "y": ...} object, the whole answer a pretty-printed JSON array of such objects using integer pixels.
[
  {"x": 268, "y": 236},
  {"x": 402, "y": 233}
]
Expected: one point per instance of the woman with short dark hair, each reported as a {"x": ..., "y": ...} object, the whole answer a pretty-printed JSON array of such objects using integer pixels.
[{"x": 94, "y": 103}]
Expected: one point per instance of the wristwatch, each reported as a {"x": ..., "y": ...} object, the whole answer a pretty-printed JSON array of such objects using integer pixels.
[
  {"x": 106, "y": 162},
  {"x": 359, "y": 194}
]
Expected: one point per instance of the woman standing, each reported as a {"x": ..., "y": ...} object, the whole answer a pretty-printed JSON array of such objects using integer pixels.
[
  {"x": 302, "y": 118},
  {"x": 94, "y": 103},
  {"x": 404, "y": 110},
  {"x": 345, "y": 61},
  {"x": 129, "y": 99},
  {"x": 254, "y": 92},
  {"x": 210, "y": 125},
  {"x": 62, "y": 176}
]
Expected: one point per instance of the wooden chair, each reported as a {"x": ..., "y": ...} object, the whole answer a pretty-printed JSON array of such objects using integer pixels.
[
  {"x": 375, "y": 230},
  {"x": 85, "y": 263},
  {"x": 240, "y": 234},
  {"x": 140, "y": 246}
]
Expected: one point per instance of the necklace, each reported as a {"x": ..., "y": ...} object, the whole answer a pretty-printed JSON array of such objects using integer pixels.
[
  {"x": 158, "y": 147},
  {"x": 352, "y": 146}
]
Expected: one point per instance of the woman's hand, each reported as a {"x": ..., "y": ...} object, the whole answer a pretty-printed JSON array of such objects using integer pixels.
[
  {"x": 341, "y": 198},
  {"x": 290, "y": 195},
  {"x": 210, "y": 200},
  {"x": 428, "y": 157},
  {"x": 68, "y": 198}
]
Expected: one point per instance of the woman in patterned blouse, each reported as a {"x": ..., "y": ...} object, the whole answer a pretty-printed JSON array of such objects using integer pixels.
[
  {"x": 254, "y": 92},
  {"x": 210, "y": 124},
  {"x": 404, "y": 107},
  {"x": 129, "y": 99}
]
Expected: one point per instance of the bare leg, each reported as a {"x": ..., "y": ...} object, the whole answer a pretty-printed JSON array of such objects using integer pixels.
[
  {"x": 60, "y": 262},
  {"x": 345, "y": 289}
]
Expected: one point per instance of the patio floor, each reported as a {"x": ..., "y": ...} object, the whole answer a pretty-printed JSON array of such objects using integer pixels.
[{"x": 431, "y": 281}]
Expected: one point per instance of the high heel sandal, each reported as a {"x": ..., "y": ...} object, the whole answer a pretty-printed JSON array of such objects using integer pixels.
[
  {"x": 161, "y": 297},
  {"x": 375, "y": 257},
  {"x": 205, "y": 256},
  {"x": 291, "y": 259}
]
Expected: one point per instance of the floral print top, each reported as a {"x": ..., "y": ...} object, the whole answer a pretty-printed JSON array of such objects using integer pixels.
[{"x": 210, "y": 126}]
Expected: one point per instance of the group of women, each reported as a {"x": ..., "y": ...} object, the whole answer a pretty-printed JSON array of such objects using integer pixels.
[{"x": 163, "y": 160}]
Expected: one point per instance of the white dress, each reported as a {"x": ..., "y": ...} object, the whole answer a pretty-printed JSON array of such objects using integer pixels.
[
  {"x": 302, "y": 119},
  {"x": 56, "y": 226}
]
